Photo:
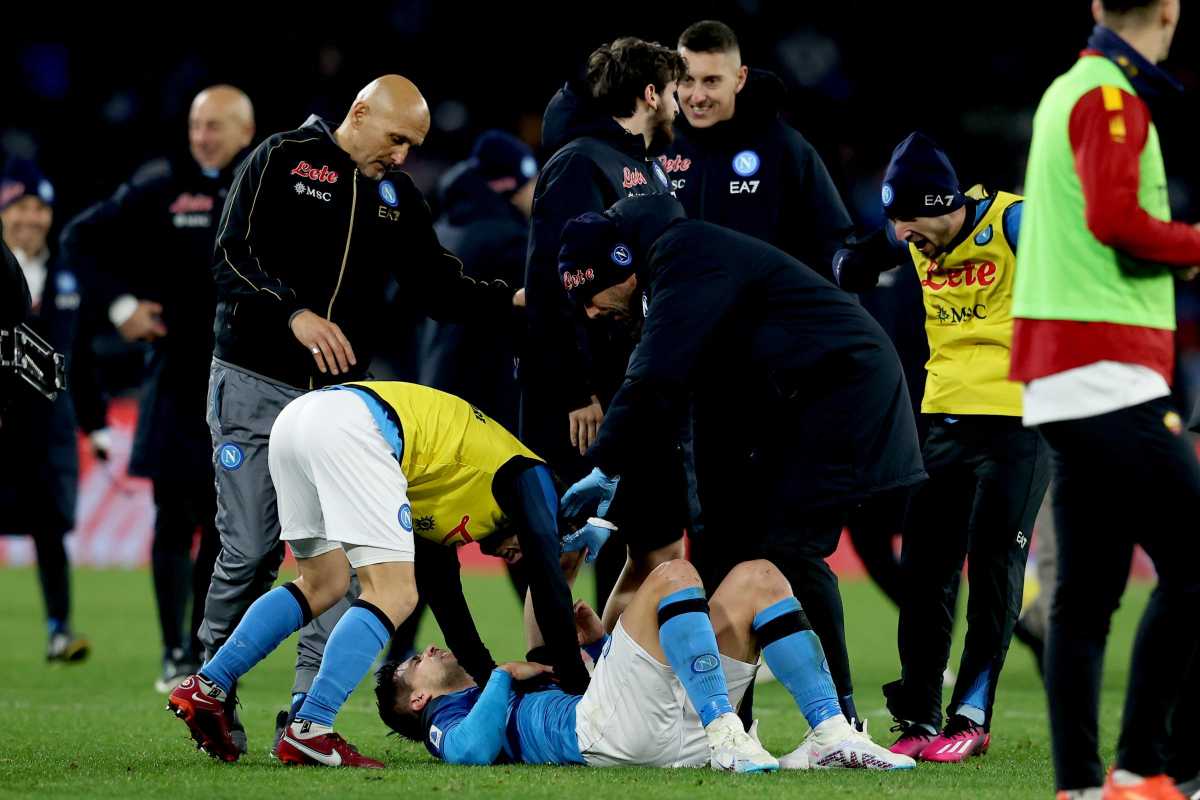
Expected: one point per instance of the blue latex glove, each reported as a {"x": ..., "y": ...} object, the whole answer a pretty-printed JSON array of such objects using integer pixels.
[
  {"x": 591, "y": 538},
  {"x": 591, "y": 494}
]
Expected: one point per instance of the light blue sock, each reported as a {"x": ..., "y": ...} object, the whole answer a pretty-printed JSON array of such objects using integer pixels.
[
  {"x": 794, "y": 654},
  {"x": 352, "y": 647},
  {"x": 271, "y": 619},
  {"x": 974, "y": 702},
  {"x": 687, "y": 637}
]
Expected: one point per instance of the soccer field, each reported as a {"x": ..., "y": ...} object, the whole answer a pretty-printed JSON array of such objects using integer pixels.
[{"x": 100, "y": 730}]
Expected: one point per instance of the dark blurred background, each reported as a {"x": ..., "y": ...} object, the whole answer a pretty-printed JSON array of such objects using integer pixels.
[{"x": 93, "y": 93}]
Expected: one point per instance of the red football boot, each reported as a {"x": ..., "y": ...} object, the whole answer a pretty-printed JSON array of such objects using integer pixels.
[
  {"x": 298, "y": 747},
  {"x": 201, "y": 705}
]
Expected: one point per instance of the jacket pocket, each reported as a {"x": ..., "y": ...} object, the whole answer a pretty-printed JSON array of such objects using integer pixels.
[{"x": 216, "y": 396}]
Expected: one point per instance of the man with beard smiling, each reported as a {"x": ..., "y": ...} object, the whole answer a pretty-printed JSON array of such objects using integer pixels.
[
  {"x": 602, "y": 129},
  {"x": 987, "y": 472}
]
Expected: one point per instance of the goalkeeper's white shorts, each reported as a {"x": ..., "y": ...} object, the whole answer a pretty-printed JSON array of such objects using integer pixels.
[{"x": 637, "y": 713}]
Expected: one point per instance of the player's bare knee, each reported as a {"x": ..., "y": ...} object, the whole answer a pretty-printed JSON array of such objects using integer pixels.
[
  {"x": 671, "y": 576},
  {"x": 760, "y": 581},
  {"x": 404, "y": 600}
]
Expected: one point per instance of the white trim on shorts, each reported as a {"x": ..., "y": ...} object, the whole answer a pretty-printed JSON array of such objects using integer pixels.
[
  {"x": 359, "y": 555},
  {"x": 337, "y": 481}
]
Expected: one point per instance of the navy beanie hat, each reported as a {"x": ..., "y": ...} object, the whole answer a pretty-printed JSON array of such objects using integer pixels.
[
  {"x": 592, "y": 258},
  {"x": 504, "y": 161},
  {"x": 22, "y": 178},
  {"x": 920, "y": 181}
]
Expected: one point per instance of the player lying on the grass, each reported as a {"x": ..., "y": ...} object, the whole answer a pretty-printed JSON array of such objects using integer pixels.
[
  {"x": 662, "y": 695},
  {"x": 357, "y": 469}
]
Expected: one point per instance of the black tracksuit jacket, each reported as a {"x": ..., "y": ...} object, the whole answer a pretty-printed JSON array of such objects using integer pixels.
[
  {"x": 303, "y": 229},
  {"x": 153, "y": 239},
  {"x": 824, "y": 413},
  {"x": 568, "y": 359},
  {"x": 756, "y": 174}
]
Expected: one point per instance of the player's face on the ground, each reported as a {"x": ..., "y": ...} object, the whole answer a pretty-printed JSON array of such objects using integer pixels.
[
  {"x": 510, "y": 549},
  {"x": 927, "y": 234},
  {"x": 431, "y": 670},
  {"x": 615, "y": 302},
  {"x": 384, "y": 138},
  {"x": 507, "y": 547},
  {"x": 26, "y": 224},
  {"x": 216, "y": 132},
  {"x": 708, "y": 91}
]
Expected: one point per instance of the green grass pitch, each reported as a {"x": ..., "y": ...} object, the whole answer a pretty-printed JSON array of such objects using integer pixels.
[{"x": 99, "y": 729}]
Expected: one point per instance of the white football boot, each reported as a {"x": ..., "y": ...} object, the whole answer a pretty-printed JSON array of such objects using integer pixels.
[
  {"x": 836, "y": 744},
  {"x": 731, "y": 749}
]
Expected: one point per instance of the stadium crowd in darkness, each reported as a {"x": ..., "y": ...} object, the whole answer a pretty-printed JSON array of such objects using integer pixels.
[{"x": 860, "y": 76}]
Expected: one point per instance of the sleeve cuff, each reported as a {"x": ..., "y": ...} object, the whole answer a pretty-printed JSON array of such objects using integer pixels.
[
  {"x": 596, "y": 648},
  {"x": 122, "y": 309}
]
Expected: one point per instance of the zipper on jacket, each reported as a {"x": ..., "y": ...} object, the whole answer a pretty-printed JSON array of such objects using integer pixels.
[
  {"x": 345, "y": 255},
  {"x": 346, "y": 251}
]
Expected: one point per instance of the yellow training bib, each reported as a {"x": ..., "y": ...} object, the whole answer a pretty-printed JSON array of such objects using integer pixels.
[
  {"x": 451, "y": 454},
  {"x": 968, "y": 319}
]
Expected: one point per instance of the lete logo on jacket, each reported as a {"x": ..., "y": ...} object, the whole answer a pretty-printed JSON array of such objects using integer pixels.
[{"x": 322, "y": 175}]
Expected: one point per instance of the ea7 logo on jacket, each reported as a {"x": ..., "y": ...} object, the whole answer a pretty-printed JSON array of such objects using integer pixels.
[
  {"x": 302, "y": 190},
  {"x": 632, "y": 178},
  {"x": 322, "y": 175}
]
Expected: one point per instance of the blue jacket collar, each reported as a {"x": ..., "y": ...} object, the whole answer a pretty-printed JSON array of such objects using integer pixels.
[{"x": 1148, "y": 79}]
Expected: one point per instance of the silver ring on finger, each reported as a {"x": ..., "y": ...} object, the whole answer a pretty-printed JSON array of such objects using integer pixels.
[{"x": 316, "y": 350}]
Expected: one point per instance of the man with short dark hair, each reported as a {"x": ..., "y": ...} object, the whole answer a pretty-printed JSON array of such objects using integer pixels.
[
  {"x": 1093, "y": 342},
  {"x": 662, "y": 694},
  {"x": 735, "y": 162},
  {"x": 603, "y": 130}
]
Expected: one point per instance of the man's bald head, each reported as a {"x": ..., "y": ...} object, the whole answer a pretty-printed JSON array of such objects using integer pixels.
[
  {"x": 388, "y": 118},
  {"x": 220, "y": 125}
]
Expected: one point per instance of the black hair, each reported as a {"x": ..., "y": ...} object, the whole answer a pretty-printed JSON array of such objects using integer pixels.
[
  {"x": 392, "y": 696},
  {"x": 709, "y": 36},
  {"x": 618, "y": 73},
  {"x": 1125, "y": 6}
]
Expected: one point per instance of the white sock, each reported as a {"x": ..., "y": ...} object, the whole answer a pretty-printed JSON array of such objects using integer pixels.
[
  {"x": 211, "y": 689},
  {"x": 303, "y": 729},
  {"x": 833, "y": 726},
  {"x": 972, "y": 713}
]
